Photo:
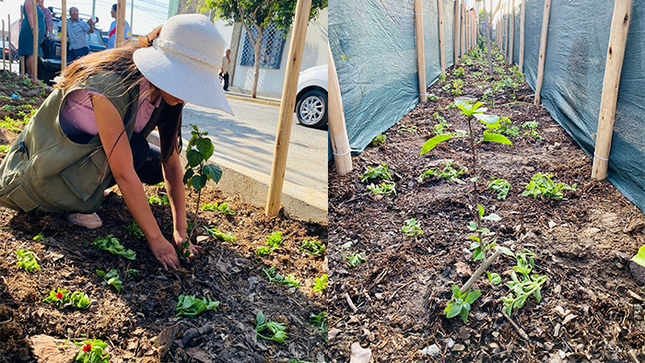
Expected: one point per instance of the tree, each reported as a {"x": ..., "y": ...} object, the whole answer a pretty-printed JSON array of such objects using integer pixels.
[{"x": 259, "y": 14}]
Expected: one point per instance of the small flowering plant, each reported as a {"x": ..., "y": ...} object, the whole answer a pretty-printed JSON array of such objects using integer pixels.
[
  {"x": 92, "y": 351},
  {"x": 63, "y": 298},
  {"x": 56, "y": 297}
]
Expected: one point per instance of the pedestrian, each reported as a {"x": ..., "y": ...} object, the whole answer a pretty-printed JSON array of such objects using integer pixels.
[
  {"x": 112, "y": 33},
  {"x": 77, "y": 31},
  {"x": 91, "y": 131},
  {"x": 47, "y": 43},
  {"x": 226, "y": 66},
  {"x": 26, "y": 37}
]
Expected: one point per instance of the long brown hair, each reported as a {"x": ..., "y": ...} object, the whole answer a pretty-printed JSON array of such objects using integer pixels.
[{"x": 119, "y": 60}]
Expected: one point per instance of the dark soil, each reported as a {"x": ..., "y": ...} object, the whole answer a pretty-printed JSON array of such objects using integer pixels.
[
  {"x": 131, "y": 321},
  {"x": 592, "y": 310}
]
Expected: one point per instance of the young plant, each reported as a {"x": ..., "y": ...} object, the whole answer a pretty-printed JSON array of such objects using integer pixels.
[
  {"x": 378, "y": 140},
  {"x": 312, "y": 247},
  {"x": 500, "y": 186},
  {"x": 530, "y": 125},
  {"x": 131, "y": 272},
  {"x": 354, "y": 260},
  {"x": 62, "y": 298},
  {"x": 273, "y": 276},
  {"x": 459, "y": 72},
  {"x": 526, "y": 285},
  {"x": 409, "y": 128},
  {"x": 320, "y": 321},
  {"x": 111, "y": 278},
  {"x": 321, "y": 283},
  {"x": 506, "y": 128},
  {"x": 198, "y": 171},
  {"x": 192, "y": 306},
  {"x": 92, "y": 351},
  {"x": 460, "y": 303},
  {"x": 40, "y": 237},
  {"x": 277, "y": 329},
  {"x": 27, "y": 260},
  {"x": 440, "y": 128},
  {"x": 412, "y": 228},
  {"x": 274, "y": 240},
  {"x": 542, "y": 185},
  {"x": 134, "y": 230},
  {"x": 385, "y": 188},
  {"x": 5, "y": 148},
  {"x": 449, "y": 173},
  {"x": 378, "y": 172},
  {"x": 432, "y": 97},
  {"x": 214, "y": 207},
  {"x": 161, "y": 200},
  {"x": 111, "y": 244},
  {"x": 534, "y": 134},
  {"x": 228, "y": 237}
]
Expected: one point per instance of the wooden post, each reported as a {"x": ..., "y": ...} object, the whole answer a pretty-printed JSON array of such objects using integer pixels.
[
  {"x": 512, "y": 38},
  {"x": 455, "y": 34},
  {"x": 610, "y": 85},
  {"x": 63, "y": 36},
  {"x": 442, "y": 50},
  {"x": 337, "y": 127},
  {"x": 4, "y": 46},
  {"x": 287, "y": 105},
  {"x": 22, "y": 58},
  {"x": 36, "y": 44},
  {"x": 120, "y": 24},
  {"x": 421, "y": 58},
  {"x": 522, "y": 25},
  {"x": 462, "y": 46},
  {"x": 542, "y": 59},
  {"x": 9, "y": 36}
]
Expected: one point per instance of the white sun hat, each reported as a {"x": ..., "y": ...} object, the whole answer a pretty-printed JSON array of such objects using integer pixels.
[{"x": 185, "y": 60}]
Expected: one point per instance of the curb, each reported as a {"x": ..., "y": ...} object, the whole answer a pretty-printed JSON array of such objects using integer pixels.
[
  {"x": 299, "y": 202},
  {"x": 248, "y": 98}
]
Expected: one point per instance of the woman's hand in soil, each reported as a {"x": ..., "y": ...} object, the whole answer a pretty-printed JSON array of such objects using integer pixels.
[
  {"x": 165, "y": 253},
  {"x": 180, "y": 238}
]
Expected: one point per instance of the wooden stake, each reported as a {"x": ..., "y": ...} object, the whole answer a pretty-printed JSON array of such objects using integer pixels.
[
  {"x": 120, "y": 24},
  {"x": 480, "y": 271},
  {"x": 63, "y": 36},
  {"x": 522, "y": 25},
  {"x": 4, "y": 46},
  {"x": 442, "y": 50},
  {"x": 462, "y": 45},
  {"x": 287, "y": 105},
  {"x": 610, "y": 86},
  {"x": 9, "y": 35},
  {"x": 455, "y": 34},
  {"x": 512, "y": 39},
  {"x": 542, "y": 59},
  {"x": 35, "y": 43},
  {"x": 22, "y": 58},
  {"x": 421, "y": 58},
  {"x": 337, "y": 127}
]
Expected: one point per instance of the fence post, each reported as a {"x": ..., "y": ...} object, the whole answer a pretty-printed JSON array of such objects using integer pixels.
[
  {"x": 522, "y": 24},
  {"x": 4, "y": 65},
  {"x": 512, "y": 39},
  {"x": 442, "y": 50},
  {"x": 287, "y": 105},
  {"x": 462, "y": 45},
  {"x": 63, "y": 36},
  {"x": 542, "y": 59},
  {"x": 610, "y": 86},
  {"x": 9, "y": 35},
  {"x": 421, "y": 58},
  {"x": 120, "y": 24},
  {"x": 36, "y": 44},
  {"x": 455, "y": 33},
  {"x": 337, "y": 127}
]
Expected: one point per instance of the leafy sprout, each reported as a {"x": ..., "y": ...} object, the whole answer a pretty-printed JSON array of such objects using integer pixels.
[
  {"x": 500, "y": 186},
  {"x": 214, "y": 207},
  {"x": 273, "y": 276},
  {"x": 111, "y": 244},
  {"x": 92, "y": 351},
  {"x": 276, "y": 329},
  {"x": 378, "y": 140},
  {"x": 192, "y": 306},
  {"x": 312, "y": 247},
  {"x": 134, "y": 230},
  {"x": 524, "y": 286},
  {"x": 541, "y": 185},
  {"x": 385, "y": 188},
  {"x": 377, "y": 172},
  {"x": 111, "y": 278},
  {"x": 228, "y": 237},
  {"x": 412, "y": 228},
  {"x": 460, "y": 304},
  {"x": 27, "y": 260},
  {"x": 354, "y": 260},
  {"x": 321, "y": 283}
]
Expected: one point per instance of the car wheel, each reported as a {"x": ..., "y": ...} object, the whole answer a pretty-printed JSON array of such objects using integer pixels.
[{"x": 312, "y": 109}]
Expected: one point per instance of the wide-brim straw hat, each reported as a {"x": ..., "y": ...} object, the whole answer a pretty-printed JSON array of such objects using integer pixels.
[{"x": 185, "y": 60}]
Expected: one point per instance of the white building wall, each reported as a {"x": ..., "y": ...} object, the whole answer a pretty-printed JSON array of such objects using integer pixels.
[
  {"x": 226, "y": 31},
  {"x": 271, "y": 80}
]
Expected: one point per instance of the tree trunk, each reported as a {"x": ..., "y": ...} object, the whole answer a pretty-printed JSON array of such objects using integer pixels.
[
  {"x": 487, "y": 29},
  {"x": 256, "y": 68}
]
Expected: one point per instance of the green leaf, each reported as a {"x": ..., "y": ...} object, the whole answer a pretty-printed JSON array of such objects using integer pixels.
[
  {"x": 538, "y": 295},
  {"x": 198, "y": 182},
  {"x": 464, "y": 315},
  {"x": 472, "y": 226},
  {"x": 494, "y": 278},
  {"x": 260, "y": 318},
  {"x": 456, "y": 292},
  {"x": 189, "y": 174},
  {"x": 508, "y": 309},
  {"x": 493, "y": 217},
  {"x": 640, "y": 257},
  {"x": 100, "y": 272},
  {"x": 453, "y": 311},
  {"x": 194, "y": 158},
  {"x": 487, "y": 119},
  {"x": 205, "y": 146},
  {"x": 497, "y": 138},
  {"x": 473, "y": 296},
  {"x": 430, "y": 144},
  {"x": 479, "y": 254},
  {"x": 507, "y": 251},
  {"x": 213, "y": 171},
  {"x": 481, "y": 209}
]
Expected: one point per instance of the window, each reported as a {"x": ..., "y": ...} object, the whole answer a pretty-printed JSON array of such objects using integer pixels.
[{"x": 271, "y": 48}]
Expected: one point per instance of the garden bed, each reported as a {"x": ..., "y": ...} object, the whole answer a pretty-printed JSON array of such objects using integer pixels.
[
  {"x": 138, "y": 321},
  {"x": 591, "y": 308}
]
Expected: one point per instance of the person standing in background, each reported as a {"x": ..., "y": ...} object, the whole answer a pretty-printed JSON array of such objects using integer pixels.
[
  {"x": 77, "y": 31},
  {"x": 46, "y": 43},
  {"x": 226, "y": 66},
  {"x": 26, "y": 37},
  {"x": 112, "y": 33}
]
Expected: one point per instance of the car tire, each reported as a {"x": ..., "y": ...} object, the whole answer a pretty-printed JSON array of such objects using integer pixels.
[{"x": 311, "y": 109}]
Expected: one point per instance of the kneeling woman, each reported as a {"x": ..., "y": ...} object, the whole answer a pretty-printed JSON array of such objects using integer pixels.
[{"x": 91, "y": 131}]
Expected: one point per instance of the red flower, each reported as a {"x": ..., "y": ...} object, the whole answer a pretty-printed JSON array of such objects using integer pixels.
[
  {"x": 87, "y": 348},
  {"x": 59, "y": 295}
]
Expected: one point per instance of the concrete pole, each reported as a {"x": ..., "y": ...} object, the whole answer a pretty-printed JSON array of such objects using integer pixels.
[{"x": 287, "y": 105}]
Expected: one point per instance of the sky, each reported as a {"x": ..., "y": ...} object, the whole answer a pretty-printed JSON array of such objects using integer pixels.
[{"x": 147, "y": 13}]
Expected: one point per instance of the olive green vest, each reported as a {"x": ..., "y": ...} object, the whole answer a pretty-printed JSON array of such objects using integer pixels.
[{"x": 47, "y": 172}]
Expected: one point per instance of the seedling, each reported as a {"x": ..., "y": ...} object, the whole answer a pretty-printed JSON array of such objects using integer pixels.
[
  {"x": 228, "y": 237},
  {"x": 321, "y": 283},
  {"x": 442, "y": 77},
  {"x": 639, "y": 258},
  {"x": 378, "y": 140},
  {"x": 378, "y": 172},
  {"x": 273, "y": 276},
  {"x": 506, "y": 128},
  {"x": 494, "y": 278},
  {"x": 5, "y": 148},
  {"x": 161, "y": 200},
  {"x": 129, "y": 273},
  {"x": 409, "y": 128},
  {"x": 530, "y": 125},
  {"x": 534, "y": 134},
  {"x": 200, "y": 148},
  {"x": 354, "y": 260},
  {"x": 385, "y": 188},
  {"x": 432, "y": 97},
  {"x": 526, "y": 285},
  {"x": 111, "y": 278},
  {"x": 27, "y": 260},
  {"x": 223, "y": 208},
  {"x": 412, "y": 228},
  {"x": 320, "y": 321},
  {"x": 40, "y": 237},
  {"x": 62, "y": 298},
  {"x": 440, "y": 128},
  {"x": 459, "y": 72},
  {"x": 500, "y": 186},
  {"x": 449, "y": 173},
  {"x": 542, "y": 185},
  {"x": 111, "y": 244},
  {"x": 277, "y": 329},
  {"x": 192, "y": 306},
  {"x": 274, "y": 240},
  {"x": 460, "y": 303},
  {"x": 134, "y": 230},
  {"x": 92, "y": 351},
  {"x": 313, "y": 247}
]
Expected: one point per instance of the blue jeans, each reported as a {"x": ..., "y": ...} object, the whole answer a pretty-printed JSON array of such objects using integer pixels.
[{"x": 77, "y": 53}]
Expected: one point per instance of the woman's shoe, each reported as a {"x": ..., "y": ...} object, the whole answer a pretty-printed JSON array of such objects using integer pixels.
[{"x": 89, "y": 221}]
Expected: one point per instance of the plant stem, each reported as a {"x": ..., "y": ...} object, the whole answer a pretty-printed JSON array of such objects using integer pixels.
[
  {"x": 199, "y": 196},
  {"x": 480, "y": 271},
  {"x": 478, "y": 217}
]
